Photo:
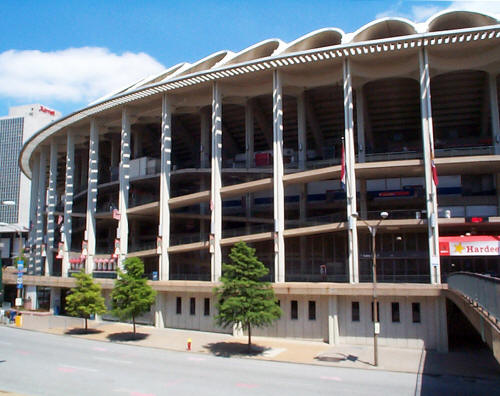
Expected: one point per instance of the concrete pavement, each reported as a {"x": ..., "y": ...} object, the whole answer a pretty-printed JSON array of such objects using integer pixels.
[{"x": 277, "y": 349}]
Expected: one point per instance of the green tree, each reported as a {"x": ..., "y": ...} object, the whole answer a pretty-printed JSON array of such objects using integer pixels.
[
  {"x": 243, "y": 297},
  {"x": 131, "y": 295},
  {"x": 85, "y": 298}
]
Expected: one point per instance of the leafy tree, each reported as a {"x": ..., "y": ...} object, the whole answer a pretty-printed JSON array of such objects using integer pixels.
[
  {"x": 85, "y": 298},
  {"x": 243, "y": 298},
  {"x": 131, "y": 295}
]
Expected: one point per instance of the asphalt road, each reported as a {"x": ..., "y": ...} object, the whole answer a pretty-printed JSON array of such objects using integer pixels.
[{"x": 34, "y": 363}]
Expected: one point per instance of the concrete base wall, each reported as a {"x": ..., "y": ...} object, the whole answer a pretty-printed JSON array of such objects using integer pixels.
[
  {"x": 185, "y": 320},
  {"x": 429, "y": 333},
  {"x": 406, "y": 334}
]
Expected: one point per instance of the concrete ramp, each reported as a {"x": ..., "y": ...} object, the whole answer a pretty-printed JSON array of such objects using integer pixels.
[{"x": 476, "y": 311}]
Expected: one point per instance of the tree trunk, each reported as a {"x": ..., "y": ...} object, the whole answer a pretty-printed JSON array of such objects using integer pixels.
[
  {"x": 249, "y": 337},
  {"x": 133, "y": 321},
  {"x": 86, "y": 327}
]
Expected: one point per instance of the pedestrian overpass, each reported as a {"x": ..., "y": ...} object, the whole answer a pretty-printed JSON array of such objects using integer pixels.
[{"x": 478, "y": 297}]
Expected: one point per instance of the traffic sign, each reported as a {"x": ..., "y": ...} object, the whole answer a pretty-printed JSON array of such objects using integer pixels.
[{"x": 20, "y": 281}]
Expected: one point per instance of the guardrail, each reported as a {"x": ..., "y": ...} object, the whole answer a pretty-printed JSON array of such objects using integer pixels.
[{"x": 482, "y": 290}]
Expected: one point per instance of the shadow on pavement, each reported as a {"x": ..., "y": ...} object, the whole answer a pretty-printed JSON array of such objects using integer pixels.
[
  {"x": 127, "y": 336},
  {"x": 228, "y": 349},
  {"x": 80, "y": 331},
  {"x": 339, "y": 357}
]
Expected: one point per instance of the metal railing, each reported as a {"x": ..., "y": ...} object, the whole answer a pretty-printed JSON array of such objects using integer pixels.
[
  {"x": 252, "y": 229},
  {"x": 182, "y": 239},
  {"x": 143, "y": 199},
  {"x": 316, "y": 220},
  {"x": 365, "y": 277},
  {"x": 464, "y": 151},
  {"x": 483, "y": 290},
  {"x": 392, "y": 156},
  {"x": 141, "y": 246}
]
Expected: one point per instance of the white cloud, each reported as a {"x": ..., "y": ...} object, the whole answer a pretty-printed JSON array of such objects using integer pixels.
[
  {"x": 420, "y": 13},
  {"x": 491, "y": 7},
  {"x": 73, "y": 74}
]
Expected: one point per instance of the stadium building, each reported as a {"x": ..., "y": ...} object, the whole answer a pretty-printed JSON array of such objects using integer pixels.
[{"x": 297, "y": 149}]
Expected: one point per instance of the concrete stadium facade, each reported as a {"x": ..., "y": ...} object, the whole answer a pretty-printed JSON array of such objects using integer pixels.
[{"x": 248, "y": 146}]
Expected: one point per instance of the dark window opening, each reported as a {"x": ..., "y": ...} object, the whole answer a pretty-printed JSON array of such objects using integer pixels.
[
  {"x": 415, "y": 312},
  {"x": 312, "y": 310},
  {"x": 178, "y": 309},
  {"x": 294, "y": 310},
  {"x": 355, "y": 311},
  {"x": 395, "y": 311},
  {"x": 192, "y": 306},
  {"x": 206, "y": 308}
]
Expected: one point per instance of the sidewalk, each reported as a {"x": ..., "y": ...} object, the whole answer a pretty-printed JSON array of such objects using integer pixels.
[{"x": 276, "y": 349}]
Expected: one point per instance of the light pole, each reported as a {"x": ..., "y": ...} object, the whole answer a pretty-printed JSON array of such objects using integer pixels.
[{"x": 376, "y": 324}]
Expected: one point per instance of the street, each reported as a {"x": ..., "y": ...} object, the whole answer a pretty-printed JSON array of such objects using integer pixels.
[{"x": 33, "y": 363}]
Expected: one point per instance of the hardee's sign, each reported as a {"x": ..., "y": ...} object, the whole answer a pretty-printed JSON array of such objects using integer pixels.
[{"x": 477, "y": 245}]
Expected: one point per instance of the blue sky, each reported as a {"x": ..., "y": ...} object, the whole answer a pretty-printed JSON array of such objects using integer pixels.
[{"x": 65, "y": 54}]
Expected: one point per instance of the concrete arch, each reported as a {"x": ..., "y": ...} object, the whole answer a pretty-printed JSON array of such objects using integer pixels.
[
  {"x": 384, "y": 28},
  {"x": 452, "y": 20},
  {"x": 207, "y": 63},
  {"x": 317, "y": 39},
  {"x": 260, "y": 50}
]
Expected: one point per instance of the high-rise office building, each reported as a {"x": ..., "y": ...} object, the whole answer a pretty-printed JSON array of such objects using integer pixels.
[{"x": 15, "y": 128}]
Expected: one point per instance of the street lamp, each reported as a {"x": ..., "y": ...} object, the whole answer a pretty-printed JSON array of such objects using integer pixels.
[{"x": 376, "y": 323}]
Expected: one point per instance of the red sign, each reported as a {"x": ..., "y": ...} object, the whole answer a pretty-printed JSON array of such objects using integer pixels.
[{"x": 48, "y": 111}]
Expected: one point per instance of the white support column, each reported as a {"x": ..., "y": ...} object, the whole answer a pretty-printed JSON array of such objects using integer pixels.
[
  {"x": 428, "y": 148},
  {"x": 350, "y": 161},
  {"x": 333, "y": 321},
  {"x": 278, "y": 188},
  {"x": 360, "y": 117},
  {"x": 160, "y": 310},
  {"x": 166, "y": 164},
  {"x": 441, "y": 324},
  {"x": 51, "y": 206},
  {"x": 124, "y": 186},
  {"x": 216, "y": 183},
  {"x": 495, "y": 122},
  {"x": 93, "y": 172},
  {"x": 55, "y": 299},
  {"x": 40, "y": 209},
  {"x": 35, "y": 173},
  {"x": 249, "y": 157},
  {"x": 68, "y": 201}
]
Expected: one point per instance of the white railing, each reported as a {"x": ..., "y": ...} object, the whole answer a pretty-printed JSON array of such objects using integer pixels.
[{"x": 483, "y": 290}]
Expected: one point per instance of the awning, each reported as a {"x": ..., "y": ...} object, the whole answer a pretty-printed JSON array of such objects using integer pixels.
[{"x": 474, "y": 245}]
